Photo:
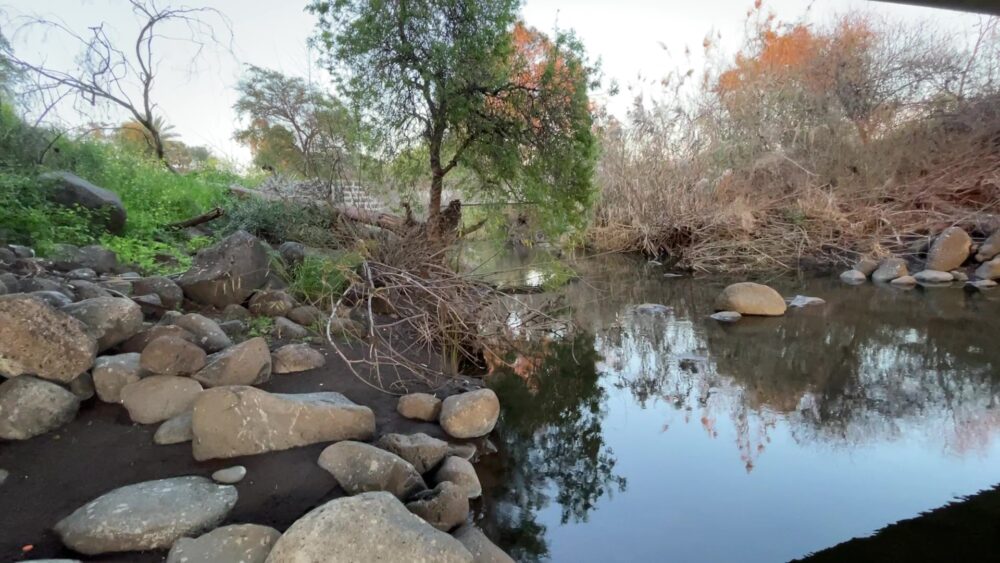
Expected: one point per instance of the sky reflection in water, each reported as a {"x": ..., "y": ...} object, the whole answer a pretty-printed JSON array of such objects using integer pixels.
[{"x": 665, "y": 435}]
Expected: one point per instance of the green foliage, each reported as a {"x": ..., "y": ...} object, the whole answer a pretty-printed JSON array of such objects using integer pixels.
[
  {"x": 321, "y": 280},
  {"x": 478, "y": 91},
  {"x": 259, "y": 326},
  {"x": 151, "y": 256},
  {"x": 280, "y": 221}
]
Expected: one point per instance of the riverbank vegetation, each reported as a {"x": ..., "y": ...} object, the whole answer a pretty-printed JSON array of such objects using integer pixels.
[{"x": 814, "y": 144}]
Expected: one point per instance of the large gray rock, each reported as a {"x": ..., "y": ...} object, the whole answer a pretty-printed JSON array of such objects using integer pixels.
[
  {"x": 293, "y": 358},
  {"x": 239, "y": 420},
  {"x": 292, "y": 253},
  {"x": 748, "y": 298},
  {"x": 112, "y": 373},
  {"x": 361, "y": 468},
  {"x": 207, "y": 332},
  {"x": 237, "y": 543},
  {"x": 444, "y": 507},
  {"x": 990, "y": 247},
  {"x": 367, "y": 527},
  {"x": 31, "y": 406},
  {"x": 176, "y": 430},
  {"x": 950, "y": 250},
  {"x": 53, "y": 299},
  {"x": 422, "y": 451},
  {"x": 170, "y": 355},
  {"x": 67, "y": 257},
  {"x": 170, "y": 293},
  {"x": 227, "y": 272},
  {"x": 462, "y": 473},
  {"x": 271, "y": 303},
  {"x": 159, "y": 397},
  {"x": 986, "y": 271},
  {"x": 146, "y": 516},
  {"x": 890, "y": 269},
  {"x": 70, "y": 190},
  {"x": 110, "y": 320},
  {"x": 36, "y": 339},
  {"x": 88, "y": 290},
  {"x": 482, "y": 549},
  {"x": 247, "y": 363},
  {"x": 866, "y": 266},
  {"x": 472, "y": 414},
  {"x": 419, "y": 406}
]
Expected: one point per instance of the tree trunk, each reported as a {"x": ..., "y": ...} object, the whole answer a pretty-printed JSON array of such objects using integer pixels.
[{"x": 434, "y": 207}]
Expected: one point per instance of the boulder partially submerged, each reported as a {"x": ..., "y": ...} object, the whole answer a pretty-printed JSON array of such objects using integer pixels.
[{"x": 748, "y": 298}]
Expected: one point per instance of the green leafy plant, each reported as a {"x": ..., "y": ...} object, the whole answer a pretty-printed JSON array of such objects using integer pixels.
[
  {"x": 321, "y": 280},
  {"x": 259, "y": 326}
]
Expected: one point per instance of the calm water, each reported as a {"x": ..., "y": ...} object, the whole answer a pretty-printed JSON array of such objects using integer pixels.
[{"x": 668, "y": 436}]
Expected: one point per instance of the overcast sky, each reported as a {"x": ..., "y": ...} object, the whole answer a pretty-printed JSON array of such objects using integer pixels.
[{"x": 632, "y": 38}]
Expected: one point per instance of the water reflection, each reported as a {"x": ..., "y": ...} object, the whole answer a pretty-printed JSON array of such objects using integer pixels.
[{"x": 877, "y": 370}]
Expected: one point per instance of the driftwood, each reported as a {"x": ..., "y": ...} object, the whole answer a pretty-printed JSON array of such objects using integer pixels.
[{"x": 200, "y": 219}]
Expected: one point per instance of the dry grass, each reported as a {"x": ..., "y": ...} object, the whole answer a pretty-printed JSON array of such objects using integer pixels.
[{"x": 777, "y": 173}]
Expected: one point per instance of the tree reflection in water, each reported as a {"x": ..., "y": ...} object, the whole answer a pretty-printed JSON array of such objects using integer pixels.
[{"x": 551, "y": 446}]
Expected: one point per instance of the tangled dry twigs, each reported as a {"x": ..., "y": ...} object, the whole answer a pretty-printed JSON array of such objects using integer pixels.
[{"x": 420, "y": 320}]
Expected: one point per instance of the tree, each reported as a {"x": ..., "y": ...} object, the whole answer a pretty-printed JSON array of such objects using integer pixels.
[
  {"x": 291, "y": 125},
  {"x": 464, "y": 80},
  {"x": 124, "y": 77}
]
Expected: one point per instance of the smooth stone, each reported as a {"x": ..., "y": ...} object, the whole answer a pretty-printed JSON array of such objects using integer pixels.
[
  {"x": 234, "y": 312},
  {"x": 361, "y": 468},
  {"x": 989, "y": 270},
  {"x": 170, "y": 355},
  {"x": 890, "y": 269},
  {"x": 865, "y": 266},
  {"x": 748, "y": 298},
  {"x": 110, "y": 320},
  {"x": 294, "y": 358},
  {"x": 904, "y": 281},
  {"x": 82, "y": 386},
  {"x": 30, "y": 407},
  {"x": 853, "y": 277},
  {"x": 237, "y": 420},
  {"x": 146, "y": 516},
  {"x": 959, "y": 275},
  {"x": 726, "y": 316},
  {"x": 990, "y": 248},
  {"x": 53, "y": 298},
  {"x": 419, "y": 406},
  {"x": 171, "y": 295},
  {"x": 247, "y": 363},
  {"x": 207, "y": 333},
  {"x": 471, "y": 414},
  {"x": 111, "y": 373},
  {"x": 949, "y": 250},
  {"x": 159, "y": 397},
  {"x": 368, "y": 527},
  {"x": 176, "y": 430},
  {"x": 933, "y": 276},
  {"x": 236, "y": 543},
  {"x": 420, "y": 450},
  {"x": 230, "y": 475},
  {"x": 86, "y": 274},
  {"x": 139, "y": 342},
  {"x": 306, "y": 315},
  {"x": 983, "y": 284},
  {"x": 462, "y": 473}
]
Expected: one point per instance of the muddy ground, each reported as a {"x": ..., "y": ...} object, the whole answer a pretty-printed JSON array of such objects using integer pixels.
[{"x": 53, "y": 474}]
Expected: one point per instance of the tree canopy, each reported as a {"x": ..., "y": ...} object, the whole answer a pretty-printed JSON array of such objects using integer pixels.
[
  {"x": 474, "y": 87},
  {"x": 293, "y": 126}
]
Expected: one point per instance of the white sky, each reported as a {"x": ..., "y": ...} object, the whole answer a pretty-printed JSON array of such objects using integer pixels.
[{"x": 625, "y": 34}]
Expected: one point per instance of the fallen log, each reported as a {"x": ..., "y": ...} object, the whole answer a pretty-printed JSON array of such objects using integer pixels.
[{"x": 199, "y": 220}]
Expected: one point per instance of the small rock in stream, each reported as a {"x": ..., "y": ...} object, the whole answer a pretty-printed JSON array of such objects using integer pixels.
[{"x": 230, "y": 475}]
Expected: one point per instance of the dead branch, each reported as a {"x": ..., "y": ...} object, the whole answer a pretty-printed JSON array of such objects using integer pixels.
[{"x": 199, "y": 220}]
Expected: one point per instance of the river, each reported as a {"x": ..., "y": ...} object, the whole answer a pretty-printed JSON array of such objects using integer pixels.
[{"x": 657, "y": 433}]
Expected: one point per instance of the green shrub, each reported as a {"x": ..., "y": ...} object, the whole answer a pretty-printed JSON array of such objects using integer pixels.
[
  {"x": 278, "y": 221},
  {"x": 321, "y": 280},
  {"x": 259, "y": 326}
]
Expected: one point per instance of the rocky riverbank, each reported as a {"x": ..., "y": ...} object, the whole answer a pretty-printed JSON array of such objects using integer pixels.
[{"x": 143, "y": 418}]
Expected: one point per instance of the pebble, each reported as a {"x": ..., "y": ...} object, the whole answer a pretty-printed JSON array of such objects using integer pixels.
[
  {"x": 230, "y": 475},
  {"x": 726, "y": 316}
]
